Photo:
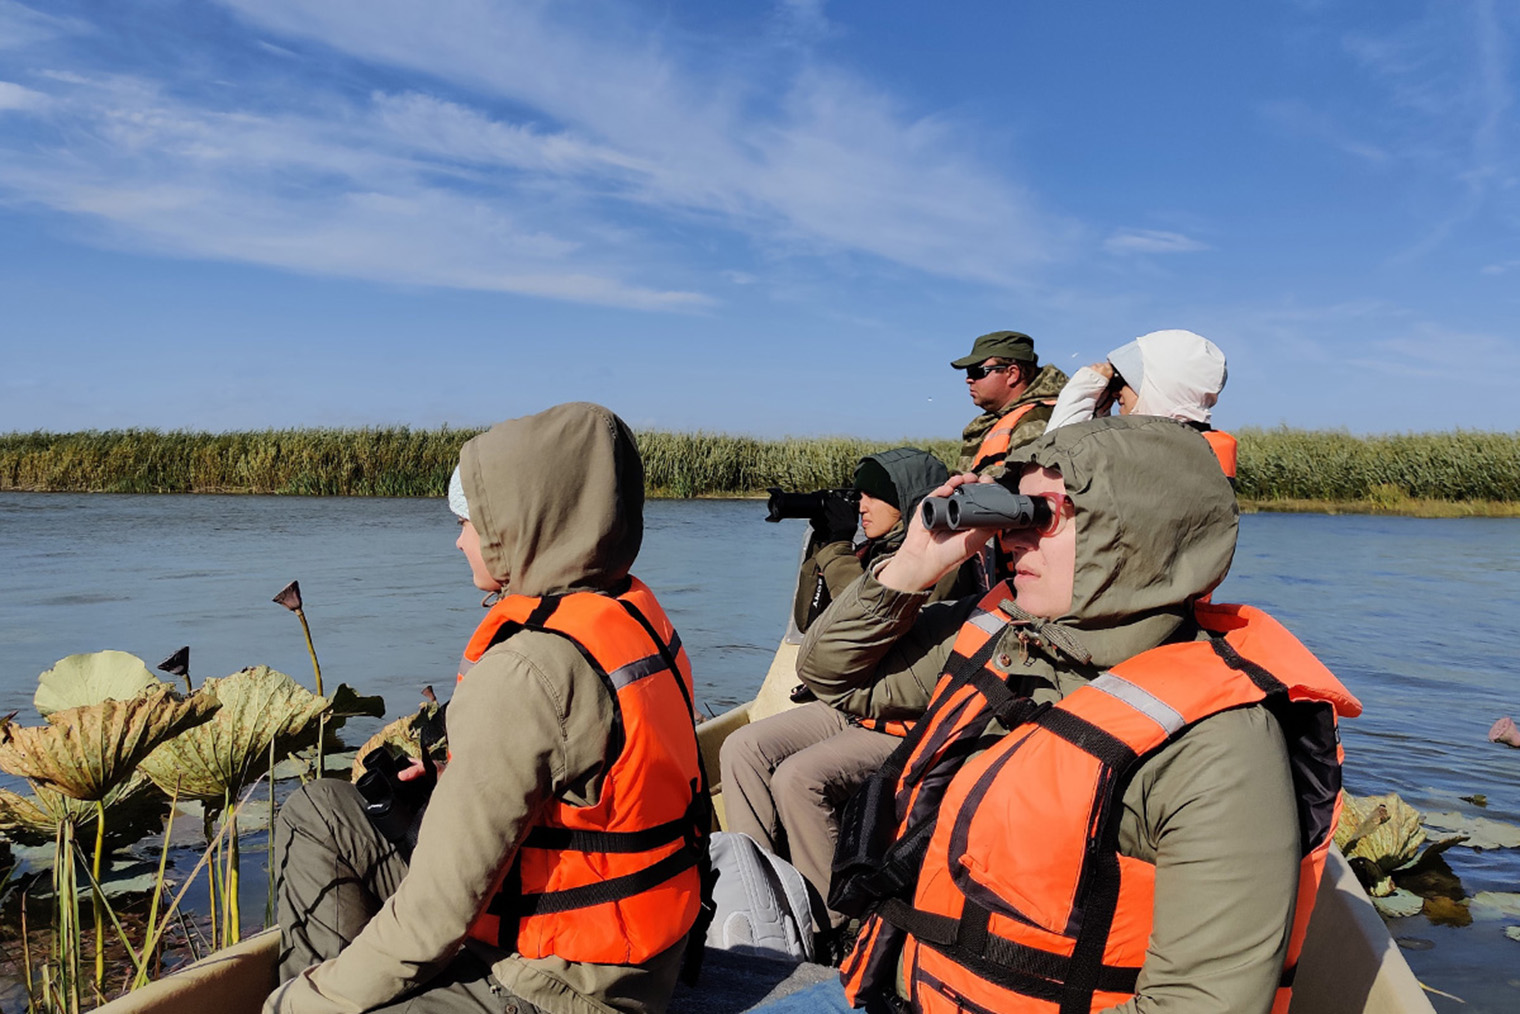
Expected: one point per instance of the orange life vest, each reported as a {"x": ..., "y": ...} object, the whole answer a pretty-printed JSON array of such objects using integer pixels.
[
  {"x": 998, "y": 922},
  {"x": 885, "y": 826},
  {"x": 994, "y": 447},
  {"x": 616, "y": 882},
  {"x": 1224, "y": 449}
]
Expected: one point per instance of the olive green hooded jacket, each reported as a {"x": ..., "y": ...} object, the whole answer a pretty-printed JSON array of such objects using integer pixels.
[
  {"x": 558, "y": 500},
  {"x": 1214, "y": 810},
  {"x": 915, "y": 474}
]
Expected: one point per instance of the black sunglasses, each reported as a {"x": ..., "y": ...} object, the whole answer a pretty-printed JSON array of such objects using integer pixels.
[{"x": 978, "y": 372}]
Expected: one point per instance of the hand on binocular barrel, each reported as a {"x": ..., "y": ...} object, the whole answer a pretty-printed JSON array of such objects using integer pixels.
[{"x": 927, "y": 556}]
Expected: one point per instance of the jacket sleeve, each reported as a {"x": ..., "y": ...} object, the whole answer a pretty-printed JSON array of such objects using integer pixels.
[
  {"x": 484, "y": 803},
  {"x": 1078, "y": 398},
  {"x": 840, "y": 566},
  {"x": 876, "y": 652},
  {"x": 1215, "y": 811}
]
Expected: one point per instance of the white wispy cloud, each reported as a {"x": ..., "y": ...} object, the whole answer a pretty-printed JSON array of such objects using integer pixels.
[
  {"x": 1151, "y": 241},
  {"x": 15, "y": 97},
  {"x": 517, "y": 150}
]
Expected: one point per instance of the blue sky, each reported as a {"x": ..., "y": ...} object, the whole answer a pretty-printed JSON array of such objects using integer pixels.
[{"x": 767, "y": 218}]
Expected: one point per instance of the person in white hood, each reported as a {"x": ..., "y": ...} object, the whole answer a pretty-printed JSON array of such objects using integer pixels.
[{"x": 1176, "y": 374}]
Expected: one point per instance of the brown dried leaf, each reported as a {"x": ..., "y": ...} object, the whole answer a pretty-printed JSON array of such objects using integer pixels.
[
  {"x": 259, "y": 704},
  {"x": 85, "y": 752}
]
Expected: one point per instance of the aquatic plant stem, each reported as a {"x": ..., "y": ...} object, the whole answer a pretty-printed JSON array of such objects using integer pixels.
[
  {"x": 26, "y": 960},
  {"x": 269, "y": 907},
  {"x": 141, "y": 978},
  {"x": 233, "y": 931},
  {"x": 310, "y": 648},
  {"x": 205, "y": 859},
  {"x": 96, "y": 897},
  {"x": 215, "y": 846}
]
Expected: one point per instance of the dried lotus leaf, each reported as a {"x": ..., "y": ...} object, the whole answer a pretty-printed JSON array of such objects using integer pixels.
[
  {"x": 85, "y": 751},
  {"x": 22, "y": 820},
  {"x": 1387, "y": 844},
  {"x": 259, "y": 705},
  {"x": 91, "y": 678},
  {"x": 403, "y": 738},
  {"x": 134, "y": 810}
]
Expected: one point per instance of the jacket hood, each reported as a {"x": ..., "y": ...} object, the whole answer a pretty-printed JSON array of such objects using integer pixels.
[
  {"x": 558, "y": 499},
  {"x": 1177, "y": 374},
  {"x": 1156, "y": 522},
  {"x": 914, "y": 473}
]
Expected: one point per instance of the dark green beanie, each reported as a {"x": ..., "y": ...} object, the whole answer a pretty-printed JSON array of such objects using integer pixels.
[{"x": 873, "y": 480}]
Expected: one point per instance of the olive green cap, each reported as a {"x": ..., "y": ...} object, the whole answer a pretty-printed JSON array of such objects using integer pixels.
[{"x": 1015, "y": 345}]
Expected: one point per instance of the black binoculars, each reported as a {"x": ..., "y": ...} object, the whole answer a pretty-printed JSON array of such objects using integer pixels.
[
  {"x": 394, "y": 807},
  {"x": 783, "y": 505},
  {"x": 984, "y": 505}
]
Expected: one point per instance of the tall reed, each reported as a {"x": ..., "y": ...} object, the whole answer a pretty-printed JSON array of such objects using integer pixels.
[{"x": 1275, "y": 464}]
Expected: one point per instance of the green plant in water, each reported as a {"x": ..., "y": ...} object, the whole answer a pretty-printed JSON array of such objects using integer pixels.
[
  {"x": 215, "y": 761},
  {"x": 101, "y": 723}
]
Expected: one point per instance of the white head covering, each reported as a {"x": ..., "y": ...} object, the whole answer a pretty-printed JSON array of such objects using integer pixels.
[
  {"x": 457, "y": 502},
  {"x": 1178, "y": 374}
]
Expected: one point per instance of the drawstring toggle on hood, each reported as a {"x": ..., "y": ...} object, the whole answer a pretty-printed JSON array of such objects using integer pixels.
[{"x": 1044, "y": 633}]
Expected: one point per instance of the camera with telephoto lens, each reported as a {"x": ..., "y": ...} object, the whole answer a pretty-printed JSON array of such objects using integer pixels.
[
  {"x": 984, "y": 505},
  {"x": 808, "y": 506}
]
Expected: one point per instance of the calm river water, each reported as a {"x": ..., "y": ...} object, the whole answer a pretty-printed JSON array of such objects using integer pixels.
[{"x": 1417, "y": 617}]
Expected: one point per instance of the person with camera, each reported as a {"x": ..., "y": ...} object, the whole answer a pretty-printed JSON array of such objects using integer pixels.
[
  {"x": 1175, "y": 373},
  {"x": 1005, "y": 380},
  {"x": 785, "y": 777},
  {"x": 559, "y": 858},
  {"x": 1118, "y": 797}
]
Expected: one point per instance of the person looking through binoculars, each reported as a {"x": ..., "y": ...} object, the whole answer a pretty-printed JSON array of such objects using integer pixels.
[{"x": 785, "y": 777}]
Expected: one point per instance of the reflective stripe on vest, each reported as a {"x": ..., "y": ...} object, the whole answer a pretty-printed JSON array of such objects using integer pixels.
[
  {"x": 615, "y": 882},
  {"x": 994, "y": 446},
  {"x": 1224, "y": 447},
  {"x": 1023, "y": 901}
]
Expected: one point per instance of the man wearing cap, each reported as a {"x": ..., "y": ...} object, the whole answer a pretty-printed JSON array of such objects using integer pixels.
[
  {"x": 786, "y": 777},
  {"x": 1006, "y": 381}
]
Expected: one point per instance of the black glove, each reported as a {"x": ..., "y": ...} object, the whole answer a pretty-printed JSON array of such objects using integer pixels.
[{"x": 837, "y": 521}]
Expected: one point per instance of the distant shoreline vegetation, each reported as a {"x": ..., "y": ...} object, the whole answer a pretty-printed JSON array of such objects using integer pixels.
[{"x": 1457, "y": 473}]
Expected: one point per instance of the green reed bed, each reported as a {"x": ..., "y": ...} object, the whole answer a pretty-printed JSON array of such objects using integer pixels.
[
  {"x": 1462, "y": 466},
  {"x": 1277, "y": 467}
]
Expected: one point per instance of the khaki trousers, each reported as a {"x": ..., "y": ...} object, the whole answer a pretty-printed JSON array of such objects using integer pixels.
[
  {"x": 333, "y": 872},
  {"x": 785, "y": 780}
]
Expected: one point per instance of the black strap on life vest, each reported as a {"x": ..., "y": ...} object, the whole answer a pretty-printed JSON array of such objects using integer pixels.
[
  {"x": 872, "y": 865},
  {"x": 510, "y": 905},
  {"x": 699, "y": 818}
]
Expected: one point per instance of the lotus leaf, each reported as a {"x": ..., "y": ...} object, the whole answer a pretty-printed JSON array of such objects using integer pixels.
[
  {"x": 1496, "y": 905},
  {"x": 134, "y": 810},
  {"x": 90, "y": 679},
  {"x": 259, "y": 704},
  {"x": 1400, "y": 904},
  {"x": 1480, "y": 832},
  {"x": 1385, "y": 843},
  {"x": 84, "y": 752}
]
